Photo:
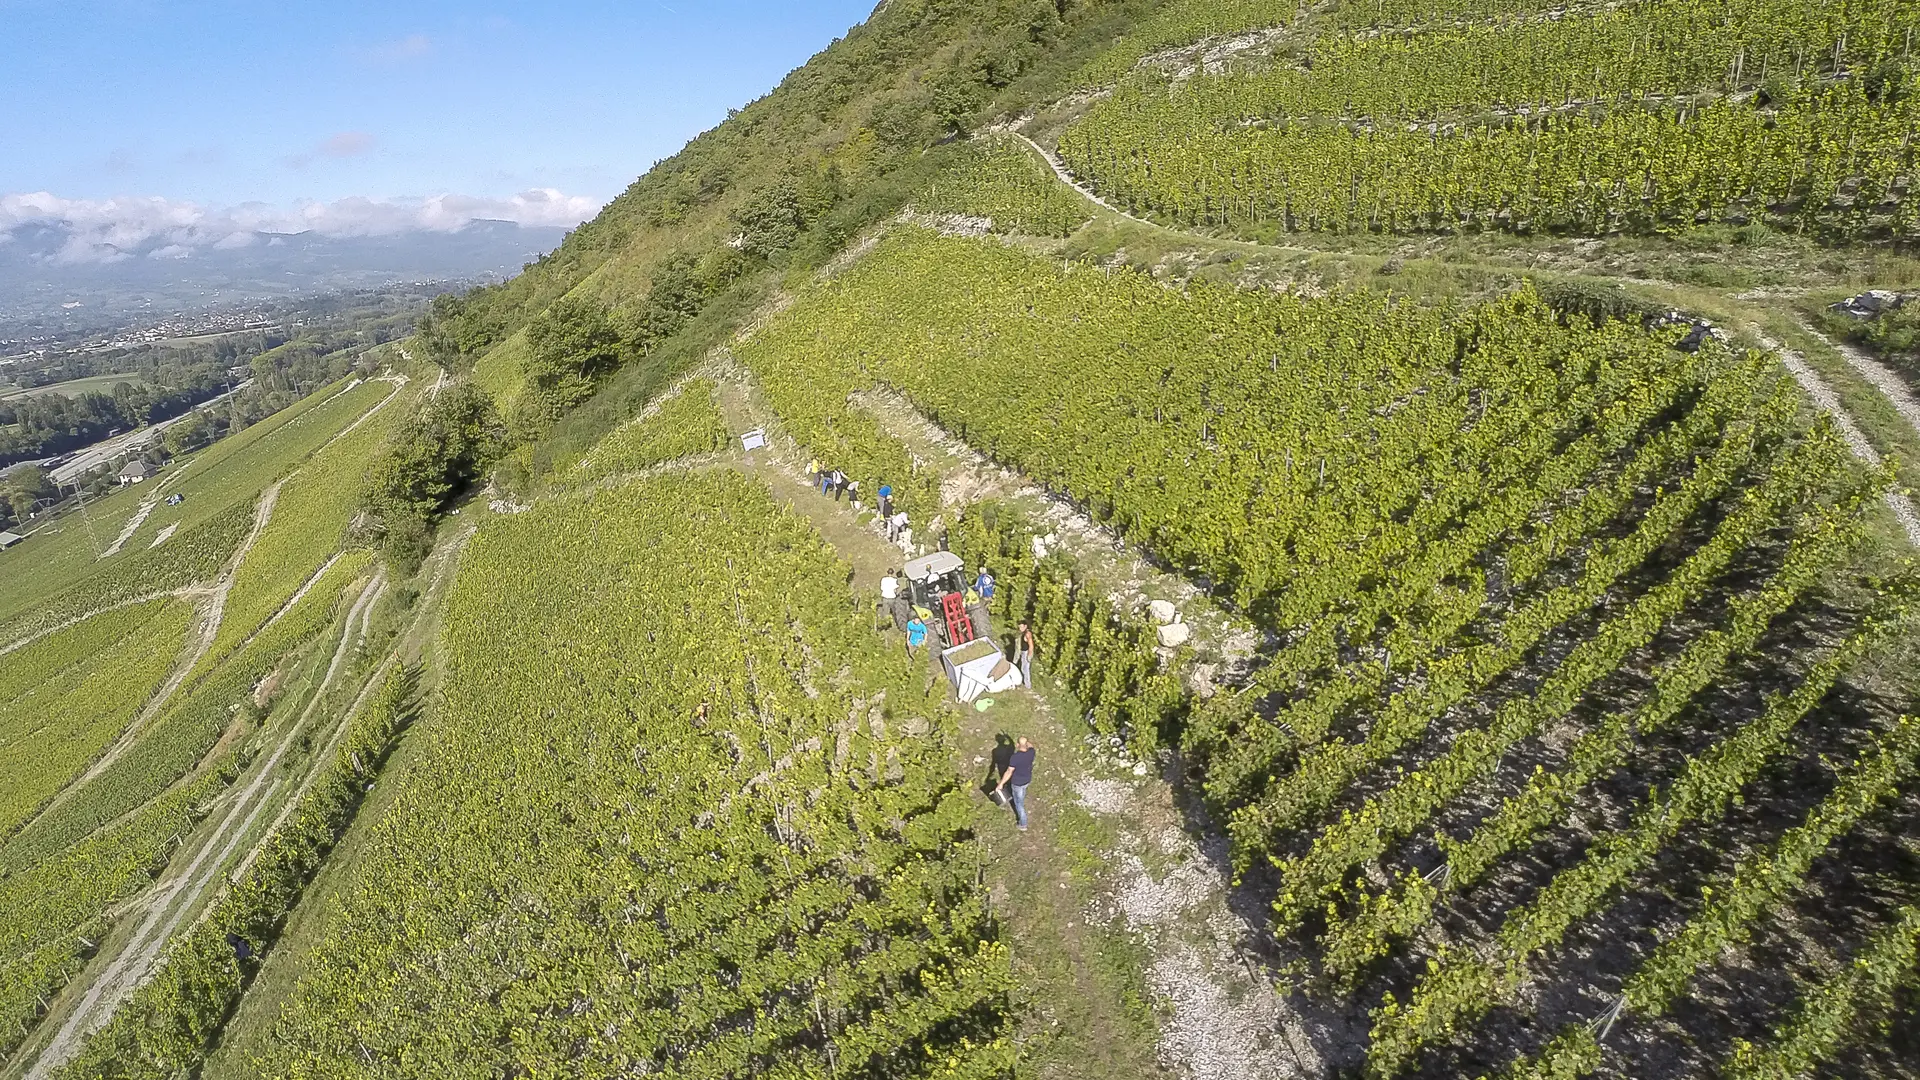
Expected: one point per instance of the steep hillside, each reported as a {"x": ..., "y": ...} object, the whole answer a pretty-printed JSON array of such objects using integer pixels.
[{"x": 1473, "y": 613}]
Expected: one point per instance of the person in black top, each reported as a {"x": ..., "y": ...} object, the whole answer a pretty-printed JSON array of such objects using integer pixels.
[{"x": 1018, "y": 775}]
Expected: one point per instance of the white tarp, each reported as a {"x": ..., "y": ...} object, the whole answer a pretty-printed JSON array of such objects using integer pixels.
[{"x": 977, "y": 668}]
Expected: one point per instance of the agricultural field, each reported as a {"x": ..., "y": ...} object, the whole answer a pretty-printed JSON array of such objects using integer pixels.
[
  {"x": 94, "y": 384},
  {"x": 1474, "y": 607},
  {"x": 1501, "y": 557},
  {"x": 1654, "y": 115},
  {"x": 53, "y": 728},
  {"x": 725, "y": 805},
  {"x": 62, "y": 573},
  {"x": 142, "y": 694},
  {"x": 679, "y": 425},
  {"x": 312, "y": 508}
]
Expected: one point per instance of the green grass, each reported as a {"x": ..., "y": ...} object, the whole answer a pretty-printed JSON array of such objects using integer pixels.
[{"x": 92, "y": 384}]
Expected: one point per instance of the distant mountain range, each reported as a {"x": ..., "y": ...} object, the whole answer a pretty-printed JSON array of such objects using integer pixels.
[{"x": 44, "y": 289}]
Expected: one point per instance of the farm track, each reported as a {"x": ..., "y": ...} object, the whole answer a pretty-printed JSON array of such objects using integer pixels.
[
  {"x": 213, "y": 607},
  {"x": 1890, "y": 385},
  {"x": 1816, "y": 388},
  {"x": 399, "y": 383},
  {"x": 170, "y": 903},
  {"x": 137, "y": 519}
]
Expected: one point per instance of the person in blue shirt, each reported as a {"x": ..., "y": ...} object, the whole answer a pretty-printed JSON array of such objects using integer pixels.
[
  {"x": 1018, "y": 775},
  {"x": 886, "y": 501},
  {"x": 984, "y": 584},
  {"x": 916, "y": 633}
]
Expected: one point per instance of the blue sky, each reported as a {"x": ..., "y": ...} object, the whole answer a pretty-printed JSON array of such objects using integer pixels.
[{"x": 222, "y": 104}]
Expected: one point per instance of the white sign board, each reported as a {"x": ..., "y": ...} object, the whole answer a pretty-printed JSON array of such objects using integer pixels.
[{"x": 754, "y": 440}]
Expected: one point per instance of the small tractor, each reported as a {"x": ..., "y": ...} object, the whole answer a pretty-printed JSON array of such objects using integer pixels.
[{"x": 937, "y": 589}]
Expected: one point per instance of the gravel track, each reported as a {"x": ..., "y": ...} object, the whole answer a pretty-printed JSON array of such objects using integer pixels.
[
  {"x": 1828, "y": 402},
  {"x": 213, "y": 608},
  {"x": 174, "y": 901},
  {"x": 1882, "y": 377}
]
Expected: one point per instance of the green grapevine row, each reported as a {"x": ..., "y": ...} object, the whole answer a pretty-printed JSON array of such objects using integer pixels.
[
  {"x": 1245, "y": 438},
  {"x": 998, "y": 178},
  {"x": 1609, "y": 55},
  {"x": 51, "y": 912},
  {"x": 168, "y": 1025},
  {"x": 1367, "y": 932},
  {"x": 1409, "y": 584},
  {"x": 193, "y": 555},
  {"x": 238, "y": 468},
  {"x": 51, "y": 733},
  {"x": 1460, "y": 986},
  {"x": 177, "y": 741},
  {"x": 585, "y": 871},
  {"x": 1832, "y": 1007},
  {"x": 1727, "y": 916},
  {"x": 1311, "y": 879},
  {"x": 1829, "y": 158},
  {"x": 308, "y": 525},
  {"x": 684, "y": 424},
  {"x": 1104, "y": 657}
]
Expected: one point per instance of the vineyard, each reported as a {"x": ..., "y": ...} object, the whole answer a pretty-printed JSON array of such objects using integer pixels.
[
  {"x": 1634, "y": 118},
  {"x": 308, "y": 526},
  {"x": 998, "y": 180},
  {"x": 112, "y": 833},
  {"x": 617, "y": 880},
  {"x": 685, "y": 424},
  {"x": 1501, "y": 557},
  {"x": 168, "y": 1024},
  {"x": 53, "y": 728},
  {"x": 1539, "y": 695}
]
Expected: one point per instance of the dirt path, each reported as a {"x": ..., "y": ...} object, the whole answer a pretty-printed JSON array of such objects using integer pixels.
[
  {"x": 147, "y": 598},
  {"x": 171, "y": 902},
  {"x": 1122, "y": 925},
  {"x": 1828, "y": 402},
  {"x": 325, "y": 757},
  {"x": 298, "y": 595},
  {"x": 1890, "y": 385},
  {"x": 133, "y": 524},
  {"x": 399, "y": 383},
  {"x": 1060, "y": 172},
  {"x": 213, "y": 607},
  {"x": 1129, "y": 579}
]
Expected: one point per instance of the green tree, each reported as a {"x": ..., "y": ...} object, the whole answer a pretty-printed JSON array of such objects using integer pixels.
[
  {"x": 189, "y": 434},
  {"x": 570, "y": 346}
]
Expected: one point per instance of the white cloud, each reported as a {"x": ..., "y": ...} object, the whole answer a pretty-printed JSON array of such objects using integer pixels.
[
  {"x": 409, "y": 48},
  {"x": 108, "y": 230},
  {"x": 347, "y": 144},
  {"x": 342, "y": 144}
]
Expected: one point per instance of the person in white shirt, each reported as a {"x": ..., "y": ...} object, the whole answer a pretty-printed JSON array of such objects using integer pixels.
[{"x": 891, "y": 601}]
